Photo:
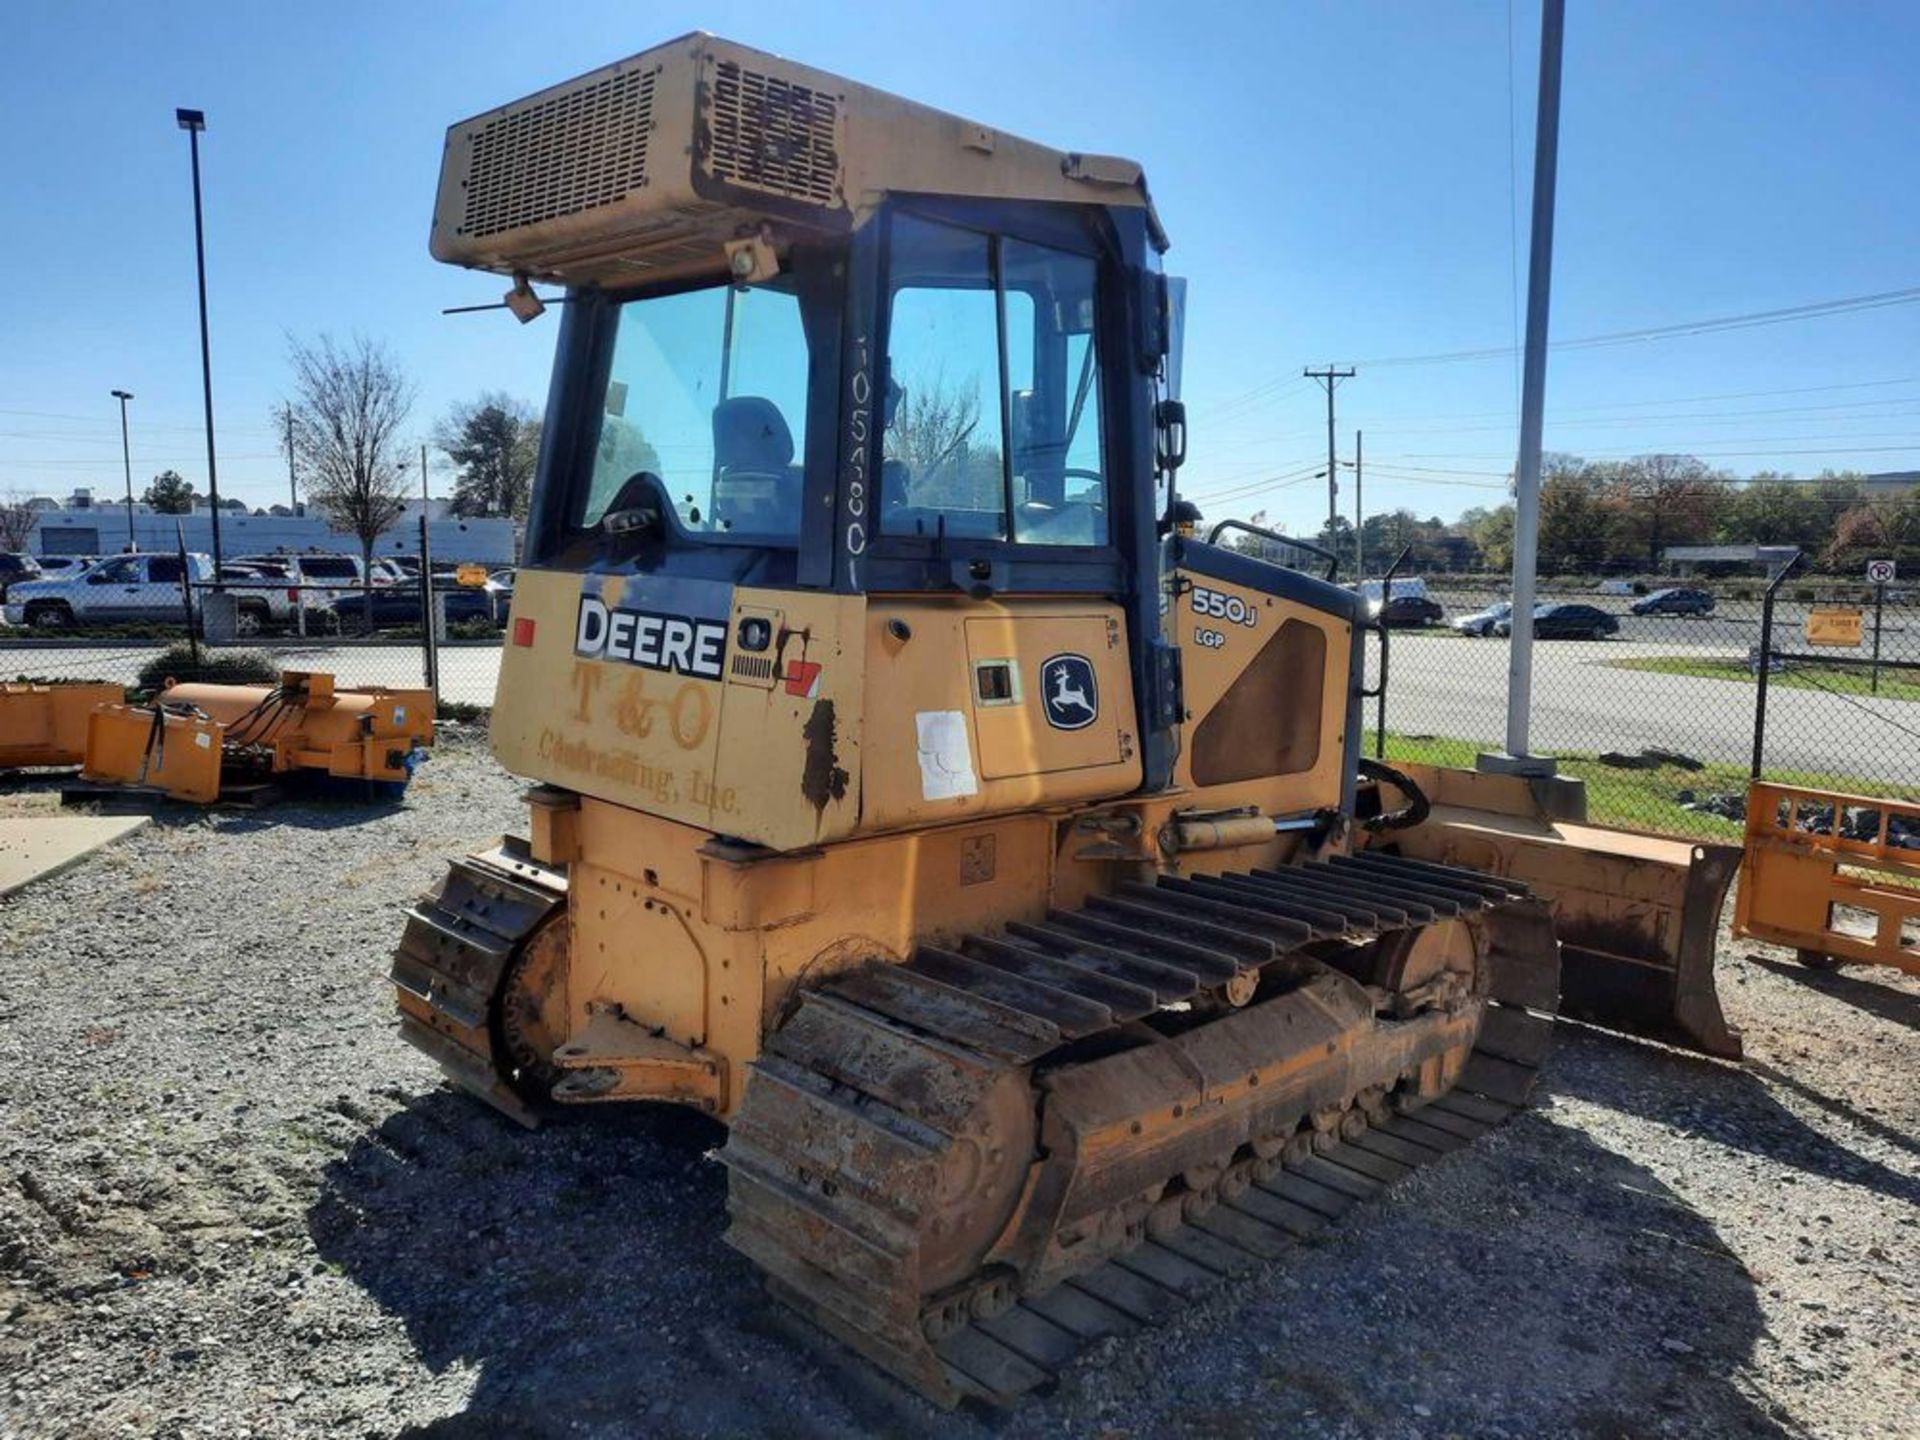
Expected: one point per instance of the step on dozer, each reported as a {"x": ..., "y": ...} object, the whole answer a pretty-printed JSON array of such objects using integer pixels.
[{"x": 916, "y": 793}]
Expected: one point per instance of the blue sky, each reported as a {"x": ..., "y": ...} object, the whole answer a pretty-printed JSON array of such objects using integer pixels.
[{"x": 1336, "y": 180}]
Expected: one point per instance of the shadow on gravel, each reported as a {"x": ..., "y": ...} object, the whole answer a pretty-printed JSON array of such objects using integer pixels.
[
  {"x": 1541, "y": 1284},
  {"x": 1727, "y": 1104},
  {"x": 1899, "y": 1007},
  {"x": 577, "y": 1269}
]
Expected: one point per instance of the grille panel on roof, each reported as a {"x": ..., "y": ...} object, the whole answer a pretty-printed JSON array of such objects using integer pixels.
[
  {"x": 560, "y": 156},
  {"x": 774, "y": 135}
]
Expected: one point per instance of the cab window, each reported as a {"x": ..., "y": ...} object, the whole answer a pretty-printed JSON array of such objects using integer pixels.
[
  {"x": 991, "y": 406},
  {"x": 708, "y": 391}
]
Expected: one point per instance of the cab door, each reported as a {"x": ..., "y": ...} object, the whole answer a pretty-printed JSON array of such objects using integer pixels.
[{"x": 1003, "y": 681}]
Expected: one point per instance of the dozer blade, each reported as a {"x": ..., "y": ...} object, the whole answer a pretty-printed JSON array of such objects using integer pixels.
[
  {"x": 453, "y": 956},
  {"x": 967, "y": 1166},
  {"x": 1638, "y": 915}
]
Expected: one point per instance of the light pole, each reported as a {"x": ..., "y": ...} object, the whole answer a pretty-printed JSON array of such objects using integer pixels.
[
  {"x": 1517, "y": 759},
  {"x": 126, "y": 459},
  {"x": 193, "y": 122}
]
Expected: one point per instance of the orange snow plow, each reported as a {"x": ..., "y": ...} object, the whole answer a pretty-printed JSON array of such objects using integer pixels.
[
  {"x": 192, "y": 742},
  {"x": 47, "y": 724}
]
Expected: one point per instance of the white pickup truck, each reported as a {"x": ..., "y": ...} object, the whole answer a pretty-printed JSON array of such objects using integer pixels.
[{"x": 120, "y": 590}]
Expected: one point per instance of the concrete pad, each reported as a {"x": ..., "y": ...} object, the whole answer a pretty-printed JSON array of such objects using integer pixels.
[{"x": 33, "y": 847}]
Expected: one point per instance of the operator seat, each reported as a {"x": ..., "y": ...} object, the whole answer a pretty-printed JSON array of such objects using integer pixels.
[{"x": 756, "y": 485}]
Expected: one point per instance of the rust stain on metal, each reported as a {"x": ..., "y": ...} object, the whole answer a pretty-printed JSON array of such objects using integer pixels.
[
  {"x": 1615, "y": 937},
  {"x": 824, "y": 780},
  {"x": 782, "y": 640}
]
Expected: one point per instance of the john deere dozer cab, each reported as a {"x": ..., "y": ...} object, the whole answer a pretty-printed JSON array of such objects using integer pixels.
[{"x": 913, "y": 794}]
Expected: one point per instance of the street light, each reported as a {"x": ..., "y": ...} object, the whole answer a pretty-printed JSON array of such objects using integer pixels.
[
  {"x": 193, "y": 122},
  {"x": 126, "y": 459}
]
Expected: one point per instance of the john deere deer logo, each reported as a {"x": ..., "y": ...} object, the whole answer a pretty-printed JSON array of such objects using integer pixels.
[{"x": 1069, "y": 692}]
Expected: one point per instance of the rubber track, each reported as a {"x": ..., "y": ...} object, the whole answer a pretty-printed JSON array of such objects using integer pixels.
[{"x": 1010, "y": 1000}]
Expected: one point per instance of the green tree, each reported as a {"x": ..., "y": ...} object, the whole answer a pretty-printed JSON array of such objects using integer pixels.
[
  {"x": 1492, "y": 532},
  {"x": 1772, "y": 510},
  {"x": 1576, "y": 524},
  {"x": 494, "y": 442},
  {"x": 168, "y": 494}
]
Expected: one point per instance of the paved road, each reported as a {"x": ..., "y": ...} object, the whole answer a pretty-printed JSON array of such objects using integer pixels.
[{"x": 1446, "y": 685}]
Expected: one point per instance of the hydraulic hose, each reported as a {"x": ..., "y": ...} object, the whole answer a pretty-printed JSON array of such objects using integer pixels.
[{"x": 1417, "y": 809}]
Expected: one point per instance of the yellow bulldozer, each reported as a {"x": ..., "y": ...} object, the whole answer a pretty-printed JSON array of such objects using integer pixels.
[{"x": 916, "y": 792}]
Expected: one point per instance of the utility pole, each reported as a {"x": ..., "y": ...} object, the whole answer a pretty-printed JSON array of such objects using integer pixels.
[
  {"x": 126, "y": 459},
  {"x": 293, "y": 487},
  {"x": 423, "y": 478},
  {"x": 1533, "y": 389},
  {"x": 1359, "y": 518},
  {"x": 1329, "y": 378}
]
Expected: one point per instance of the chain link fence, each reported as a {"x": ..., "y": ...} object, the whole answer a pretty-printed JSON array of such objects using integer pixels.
[
  {"x": 1655, "y": 698},
  {"x": 385, "y": 633}
]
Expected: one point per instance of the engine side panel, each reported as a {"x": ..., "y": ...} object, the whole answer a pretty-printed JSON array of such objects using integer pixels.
[{"x": 719, "y": 706}]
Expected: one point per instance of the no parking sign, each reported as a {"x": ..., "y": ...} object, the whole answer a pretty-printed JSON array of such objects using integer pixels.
[{"x": 1880, "y": 572}]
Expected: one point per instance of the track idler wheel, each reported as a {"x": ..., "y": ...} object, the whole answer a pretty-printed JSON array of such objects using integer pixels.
[{"x": 530, "y": 1012}]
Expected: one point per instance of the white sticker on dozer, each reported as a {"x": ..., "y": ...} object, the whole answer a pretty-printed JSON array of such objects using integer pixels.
[
  {"x": 946, "y": 759},
  {"x": 203, "y": 740},
  {"x": 399, "y": 714}
]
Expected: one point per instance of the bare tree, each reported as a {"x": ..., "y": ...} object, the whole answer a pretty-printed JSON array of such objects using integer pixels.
[
  {"x": 348, "y": 405},
  {"x": 16, "y": 523},
  {"x": 933, "y": 435}
]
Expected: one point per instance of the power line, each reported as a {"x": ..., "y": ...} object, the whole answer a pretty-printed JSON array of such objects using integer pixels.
[
  {"x": 1561, "y": 412},
  {"x": 1256, "y": 398},
  {"x": 1735, "y": 395},
  {"x": 1814, "y": 310},
  {"x": 1844, "y": 446},
  {"x": 1282, "y": 481},
  {"x": 1811, "y": 414}
]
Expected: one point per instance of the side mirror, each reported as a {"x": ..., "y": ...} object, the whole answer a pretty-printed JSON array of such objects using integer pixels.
[
  {"x": 1170, "y": 427},
  {"x": 637, "y": 511},
  {"x": 1153, "y": 319}
]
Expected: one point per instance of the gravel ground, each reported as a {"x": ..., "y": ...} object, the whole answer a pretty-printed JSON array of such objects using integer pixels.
[{"x": 233, "y": 1203}]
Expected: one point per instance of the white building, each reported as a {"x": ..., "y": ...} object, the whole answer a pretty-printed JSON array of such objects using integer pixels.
[{"x": 84, "y": 526}]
